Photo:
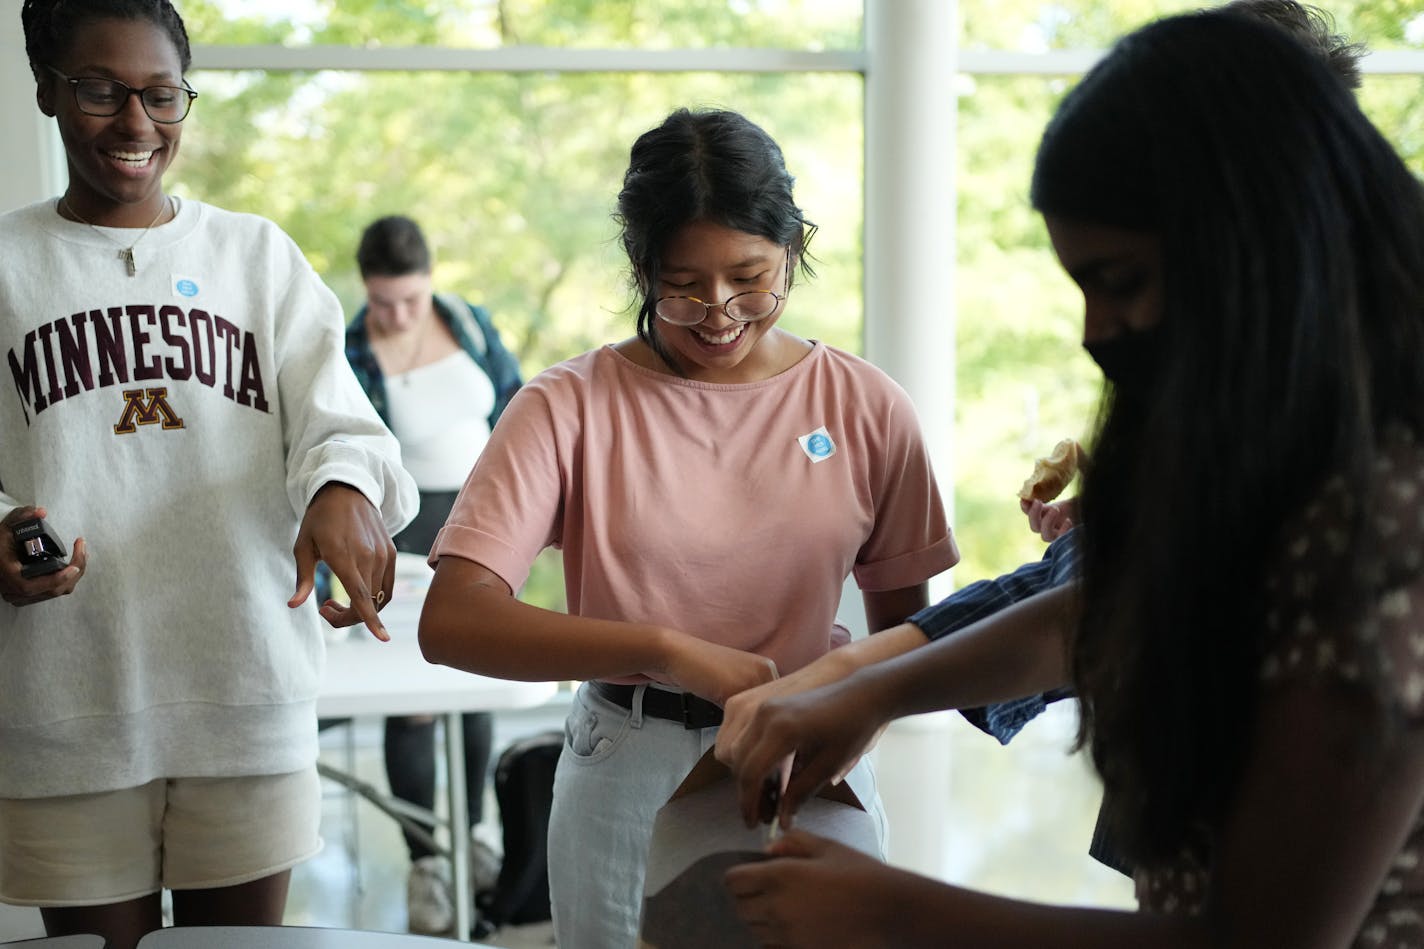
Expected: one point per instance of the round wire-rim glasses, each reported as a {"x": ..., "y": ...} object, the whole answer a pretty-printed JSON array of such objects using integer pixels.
[
  {"x": 166, "y": 105},
  {"x": 746, "y": 307}
]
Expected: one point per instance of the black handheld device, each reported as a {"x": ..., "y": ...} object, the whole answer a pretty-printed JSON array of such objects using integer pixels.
[{"x": 40, "y": 551}]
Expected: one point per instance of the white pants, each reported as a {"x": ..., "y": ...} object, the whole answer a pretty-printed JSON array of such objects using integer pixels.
[{"x": 616, "y": 770}]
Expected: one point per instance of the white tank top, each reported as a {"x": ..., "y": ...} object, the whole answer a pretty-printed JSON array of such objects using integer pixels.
[{"x": 440, "y": 415}]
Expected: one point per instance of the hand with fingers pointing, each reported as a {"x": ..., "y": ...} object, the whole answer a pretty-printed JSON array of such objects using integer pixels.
[{"x": 345, "y": 531}]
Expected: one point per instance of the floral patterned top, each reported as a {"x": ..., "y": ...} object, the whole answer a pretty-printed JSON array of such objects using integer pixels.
[{"x": 1380, "y": 649}]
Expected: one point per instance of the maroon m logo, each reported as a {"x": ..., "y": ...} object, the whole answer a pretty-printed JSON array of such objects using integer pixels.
[{"x": 138, "y": 412}]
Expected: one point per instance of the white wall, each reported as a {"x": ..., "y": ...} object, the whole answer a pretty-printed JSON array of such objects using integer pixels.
[
  {"x": 909, "y": 332},
  {"x": 33, "y": 161},
  {"x": 23, "y": 182}
]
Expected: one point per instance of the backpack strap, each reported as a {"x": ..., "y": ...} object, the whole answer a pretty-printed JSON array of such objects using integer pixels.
[{"x": 460, "y": 310}]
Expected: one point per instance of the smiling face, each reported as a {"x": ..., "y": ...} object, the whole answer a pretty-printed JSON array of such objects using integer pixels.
[
  {"x": 712, "y": 262},
  {"x": 1119, "y": 272},
  {"x": 116, "y": 163}
]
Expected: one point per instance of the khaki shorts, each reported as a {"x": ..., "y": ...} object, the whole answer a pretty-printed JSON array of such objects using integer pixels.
[{"x": 180, "y": 833}]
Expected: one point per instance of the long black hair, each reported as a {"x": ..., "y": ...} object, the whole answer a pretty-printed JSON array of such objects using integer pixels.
[
  {"x": 1311, "y": 26},
  {"x": 1292, "y": 333},
  {"x": 50, "y": 25},
  {"x": 712, "y": 165}
]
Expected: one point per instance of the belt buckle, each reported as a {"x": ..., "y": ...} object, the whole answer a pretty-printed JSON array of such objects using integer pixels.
[
  {"x": 697, "y": 712},
  {"x": 685, "y": 699}
]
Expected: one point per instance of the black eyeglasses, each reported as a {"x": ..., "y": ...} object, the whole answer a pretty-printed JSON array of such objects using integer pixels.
[{"x": 167, "y": 105}]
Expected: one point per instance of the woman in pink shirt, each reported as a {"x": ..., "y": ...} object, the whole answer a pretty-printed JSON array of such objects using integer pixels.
[{"x": 711, "y": 482}]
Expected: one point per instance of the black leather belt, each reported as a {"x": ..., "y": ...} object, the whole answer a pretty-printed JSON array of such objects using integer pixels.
[{"x": 690, "y": 710}]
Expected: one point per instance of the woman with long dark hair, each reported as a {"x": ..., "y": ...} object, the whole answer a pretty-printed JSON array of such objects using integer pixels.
[{"x": 1248, "y": 643}]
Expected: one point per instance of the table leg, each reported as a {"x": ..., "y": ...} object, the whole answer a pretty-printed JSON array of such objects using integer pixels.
[{"x": 459, "y": 825}]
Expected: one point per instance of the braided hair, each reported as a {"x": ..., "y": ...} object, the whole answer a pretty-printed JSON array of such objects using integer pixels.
[{"x": 50, "y": 24}]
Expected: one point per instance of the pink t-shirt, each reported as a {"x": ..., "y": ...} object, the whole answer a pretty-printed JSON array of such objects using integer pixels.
[{"x": 729, "y": 512}]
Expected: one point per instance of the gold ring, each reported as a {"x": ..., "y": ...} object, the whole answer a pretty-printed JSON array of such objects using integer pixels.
[{"x": 380, "y": 597}]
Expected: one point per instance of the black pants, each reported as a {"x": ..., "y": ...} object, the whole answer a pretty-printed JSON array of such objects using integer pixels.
[
  {"x": 410, "y": 765},
  {"x": 410, "y": 742}
]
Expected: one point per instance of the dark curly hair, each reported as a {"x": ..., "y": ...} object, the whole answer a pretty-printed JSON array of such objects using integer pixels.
[
  {"x": 50, "y": 24},
  {"x": 712, "y": 165}
]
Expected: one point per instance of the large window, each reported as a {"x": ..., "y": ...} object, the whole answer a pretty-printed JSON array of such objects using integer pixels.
[
  {"x": 514, "y": 171},
  {"x": 514, "y": 177},
  {"x": 322, "y": 116},
  {"x": 1023, "y": 381},
  {"x": 564, "y": 24}
]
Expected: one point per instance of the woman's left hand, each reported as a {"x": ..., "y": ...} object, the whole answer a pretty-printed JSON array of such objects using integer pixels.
[
  {"x": 344, "y": 529},
  {"x": 815, "y": 892}
]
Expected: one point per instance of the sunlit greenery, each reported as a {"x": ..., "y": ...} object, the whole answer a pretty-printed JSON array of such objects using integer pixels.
[
  {"x": 569, "y": 24},
  {"x": 514, "y": 177},
  {"x": 1023, "y": 381}
]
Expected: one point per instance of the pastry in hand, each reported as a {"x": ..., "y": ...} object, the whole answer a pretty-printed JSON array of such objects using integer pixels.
[{"x": 1052, "y": 474}]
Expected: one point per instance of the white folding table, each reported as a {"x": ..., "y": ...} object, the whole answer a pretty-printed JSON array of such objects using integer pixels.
[{"x": 365, "y": 676}]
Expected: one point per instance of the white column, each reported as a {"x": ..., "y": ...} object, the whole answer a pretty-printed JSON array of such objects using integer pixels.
[
  {"x": 910, "y": 211},
  {"x": 911, "y": 58},
  {"x": 34, "y": 164}
]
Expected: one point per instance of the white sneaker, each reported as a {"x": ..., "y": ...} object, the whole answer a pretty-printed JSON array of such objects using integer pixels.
[
  {"x": 485, "y": 861},
  {"x": 427, "y": 897}
]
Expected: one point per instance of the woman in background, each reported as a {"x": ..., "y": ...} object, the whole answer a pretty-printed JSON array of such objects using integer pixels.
[{"x": 438, "y": 373}]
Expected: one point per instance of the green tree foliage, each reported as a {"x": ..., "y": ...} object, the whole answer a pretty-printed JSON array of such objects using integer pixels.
[
  {"x": 1023, "y": 381},
  {"x": 514, "y": 177}
]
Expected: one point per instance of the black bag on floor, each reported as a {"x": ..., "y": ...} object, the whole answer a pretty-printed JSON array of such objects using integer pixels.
[{"x": 524, "y": 788}]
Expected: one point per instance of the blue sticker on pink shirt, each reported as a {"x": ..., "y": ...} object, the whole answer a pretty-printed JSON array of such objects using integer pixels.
[{"x": 817, "y": 445}]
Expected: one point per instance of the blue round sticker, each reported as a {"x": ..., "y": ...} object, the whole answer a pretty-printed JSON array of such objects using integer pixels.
[
  {"x": 187, "y": 287},
  {"x": 818, "y": 445}
]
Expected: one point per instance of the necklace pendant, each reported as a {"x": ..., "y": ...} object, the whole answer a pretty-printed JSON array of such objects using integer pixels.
[{"x": 126, "y": 255}]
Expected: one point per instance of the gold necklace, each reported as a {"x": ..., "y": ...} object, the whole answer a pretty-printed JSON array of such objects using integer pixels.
[{"x": 126, "y": 254}]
